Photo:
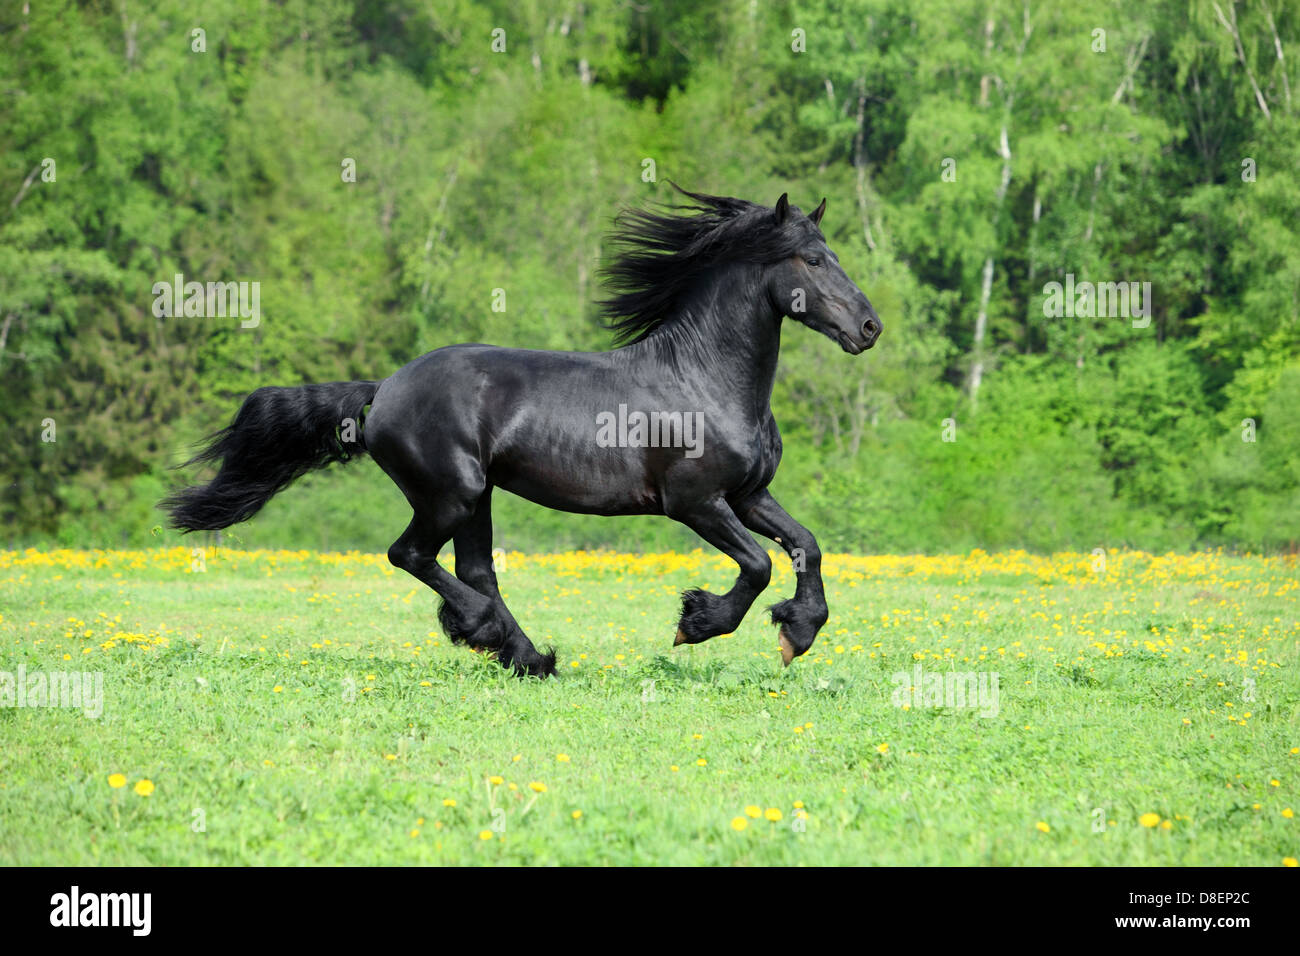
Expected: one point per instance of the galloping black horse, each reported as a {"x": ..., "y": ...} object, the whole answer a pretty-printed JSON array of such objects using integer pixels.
[{"x": 677, "y": 421}]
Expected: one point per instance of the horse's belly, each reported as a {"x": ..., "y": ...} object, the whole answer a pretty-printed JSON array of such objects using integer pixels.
[{"x": 566, "y": 492}]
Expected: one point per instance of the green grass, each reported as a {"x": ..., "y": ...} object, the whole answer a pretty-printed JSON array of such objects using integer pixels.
[{"x": 378, "y": 720}]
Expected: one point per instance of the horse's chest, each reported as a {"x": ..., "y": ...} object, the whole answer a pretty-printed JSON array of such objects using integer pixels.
[{"x": 765, "y": 455}]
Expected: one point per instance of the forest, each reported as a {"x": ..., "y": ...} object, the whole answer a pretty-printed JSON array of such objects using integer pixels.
[{"x": 1078, "y": 222}]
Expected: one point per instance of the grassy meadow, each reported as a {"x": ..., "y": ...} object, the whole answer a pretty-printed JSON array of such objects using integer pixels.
[{"x": 274, "y": 707}]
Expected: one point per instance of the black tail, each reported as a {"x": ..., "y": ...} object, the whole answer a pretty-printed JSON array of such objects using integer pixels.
[{"x": 279, "y": 435}]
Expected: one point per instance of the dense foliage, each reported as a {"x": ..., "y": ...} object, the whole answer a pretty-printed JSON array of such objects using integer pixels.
[{"x": 972, "y": 153}]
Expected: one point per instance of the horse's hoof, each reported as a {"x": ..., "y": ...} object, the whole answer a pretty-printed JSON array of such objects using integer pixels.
[
  {"x": 788, "y": 653},
  {"x": 679, "y": 639}
]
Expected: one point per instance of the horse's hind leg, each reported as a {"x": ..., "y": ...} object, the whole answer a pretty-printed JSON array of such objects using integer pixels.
[
  {"x": 474, "y": 566},
  {"x": 467, "y": 616}
]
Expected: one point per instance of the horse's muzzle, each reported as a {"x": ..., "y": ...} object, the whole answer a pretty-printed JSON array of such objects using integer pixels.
[{"x": 871, "y": 330}]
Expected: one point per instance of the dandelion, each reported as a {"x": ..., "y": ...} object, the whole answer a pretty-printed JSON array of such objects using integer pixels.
[
  {"x": 739, "y": 823},
  {"x": 1149, "y": 819},
  {"x": 1288, "y": 813},
  {"x": 754, "y": 811},
  {"x": 485, "y": 834},
  {"x": 562, "y": 758},
  {"x": 117, "y": 780},
  {"x": 1042, "y": 827},
  {"x": 772, "y": 814},
  {"x": 883, "y": 749},
  {"x": 701, "y": 762},
  {"x": 496, "y": 781},
  {"x": 1289, "y": 861},
  {"x": 449, "y": 802},
  {"x": 537, "y": 787},
  {"x": 576, "y": 814},
  {"x": 143, "y": 787}
]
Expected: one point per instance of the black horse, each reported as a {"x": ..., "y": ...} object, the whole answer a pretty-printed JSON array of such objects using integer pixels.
[{"x": 676, "y": 421}]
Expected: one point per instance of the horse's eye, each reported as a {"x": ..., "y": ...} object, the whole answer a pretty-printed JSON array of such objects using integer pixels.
[{"x": 814, "y": 261}]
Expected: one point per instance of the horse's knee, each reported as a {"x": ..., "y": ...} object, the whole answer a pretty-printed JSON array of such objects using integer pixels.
[{"x": 400, "y": 555}]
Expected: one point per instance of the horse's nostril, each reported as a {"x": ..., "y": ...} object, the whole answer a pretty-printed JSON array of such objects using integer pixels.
[{"x": 870, "y": 328}]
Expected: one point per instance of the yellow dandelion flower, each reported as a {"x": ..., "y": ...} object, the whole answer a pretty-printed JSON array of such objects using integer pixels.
[
  {"x": 1042, "y": 827},
  {"x": 1288, "y": 813},
  {"x": 562, "y": 758},
  {"x": 772, "y": 814},
  {"x": 701, "y": 762},
  {"x": 117, "y": 780},
  {"x": 739, "y": 823},
  {"x": 537, "y": 787},
  {"x": 883, "y": 749},
  {"x": 485, "y": 834},
  {"x": 576, "y": 814},
  {"x": 449, "y": 802},
  {"x": 1149, "y": 819},
  {"x": 496, "y": 781},
  {"x": 143, "y": 787},
  {"x": 754, "y": 811},
  {"x": 1289, "y": 861}
]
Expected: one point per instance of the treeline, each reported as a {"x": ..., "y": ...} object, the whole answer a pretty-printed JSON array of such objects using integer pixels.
[{"x": 387, "y": 170}]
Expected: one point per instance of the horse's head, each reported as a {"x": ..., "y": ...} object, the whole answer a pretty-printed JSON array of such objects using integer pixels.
[{"x": 810, "y": 287}]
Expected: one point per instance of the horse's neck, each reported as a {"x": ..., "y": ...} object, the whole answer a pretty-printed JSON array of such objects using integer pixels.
[{"x": 728, "y": 338}]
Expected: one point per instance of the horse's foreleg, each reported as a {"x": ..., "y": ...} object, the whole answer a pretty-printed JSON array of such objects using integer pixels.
[
  {"x": 474, "y": 567},
  {"x": 802, "y": 616},
  {"x": 705, "y": 615}
]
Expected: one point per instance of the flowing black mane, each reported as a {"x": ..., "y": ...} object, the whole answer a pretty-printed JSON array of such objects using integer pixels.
[{"x": 660, "y": 257}]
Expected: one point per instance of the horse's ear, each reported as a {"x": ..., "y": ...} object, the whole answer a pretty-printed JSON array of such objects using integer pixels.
[
  {"x": 782, "y": 209},
  {"x": 816, "y": 216}
]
